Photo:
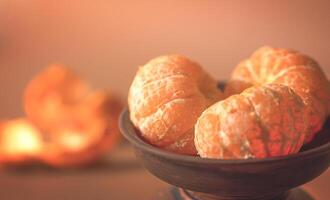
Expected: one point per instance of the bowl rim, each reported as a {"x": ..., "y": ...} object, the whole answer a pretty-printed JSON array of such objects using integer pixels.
[{"x": 130, "y": 134}]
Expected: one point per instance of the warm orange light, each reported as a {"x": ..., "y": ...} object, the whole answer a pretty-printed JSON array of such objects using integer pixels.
[
  {"x": 86, "y": 134},
  {"x": 19, "y": 138},
  {"x": 51, "y": 95},
  {"x": 73, "y": 141},
  {"x": 68, "y": 123}
]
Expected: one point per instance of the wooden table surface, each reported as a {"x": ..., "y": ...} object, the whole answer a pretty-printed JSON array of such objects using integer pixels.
[{"x": 121, "y": 177}]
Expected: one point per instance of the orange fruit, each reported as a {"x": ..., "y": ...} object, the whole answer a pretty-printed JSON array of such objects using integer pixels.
[
  {"x": 51, "y": 94},
  {"x": 78, "y": 125},
  {"x": 278, "y": 99},
  {"x": 87, "y": 134},
  {"x": 263, "y": 121},
  {"x": 293, "y": 69},
  {"x": 165, "y": 99}
]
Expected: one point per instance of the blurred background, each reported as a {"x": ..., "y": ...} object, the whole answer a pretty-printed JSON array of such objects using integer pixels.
[{"x": 105, "y": 41}]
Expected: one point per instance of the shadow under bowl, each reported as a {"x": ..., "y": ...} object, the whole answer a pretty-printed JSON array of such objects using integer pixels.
[{"x": 269, "y": 178}]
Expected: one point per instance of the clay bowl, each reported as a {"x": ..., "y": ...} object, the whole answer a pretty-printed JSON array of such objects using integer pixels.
[{"x": 270, "y": 178}]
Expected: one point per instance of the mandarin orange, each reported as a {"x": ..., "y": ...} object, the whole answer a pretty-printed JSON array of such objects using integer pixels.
[
  {"x": 165, "y": 99},
  {"x": 51, "y": 94},
  {"x": 263, "y": 121},
  {"x": 89, "y": 132},
  {"x": 293, "y": 69},
  {"x": 277, "y": 100},
  {"x": 79, "y": 125}
]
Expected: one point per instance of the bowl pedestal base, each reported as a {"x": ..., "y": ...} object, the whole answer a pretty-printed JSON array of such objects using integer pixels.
[{"x": 295, "y": 194}]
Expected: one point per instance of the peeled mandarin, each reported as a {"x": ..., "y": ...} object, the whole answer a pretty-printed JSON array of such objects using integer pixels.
[
  {"x": 165, "y": 99},
  {"x": 288, "y": 67},
  {"x": 263, "y": 121}
]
